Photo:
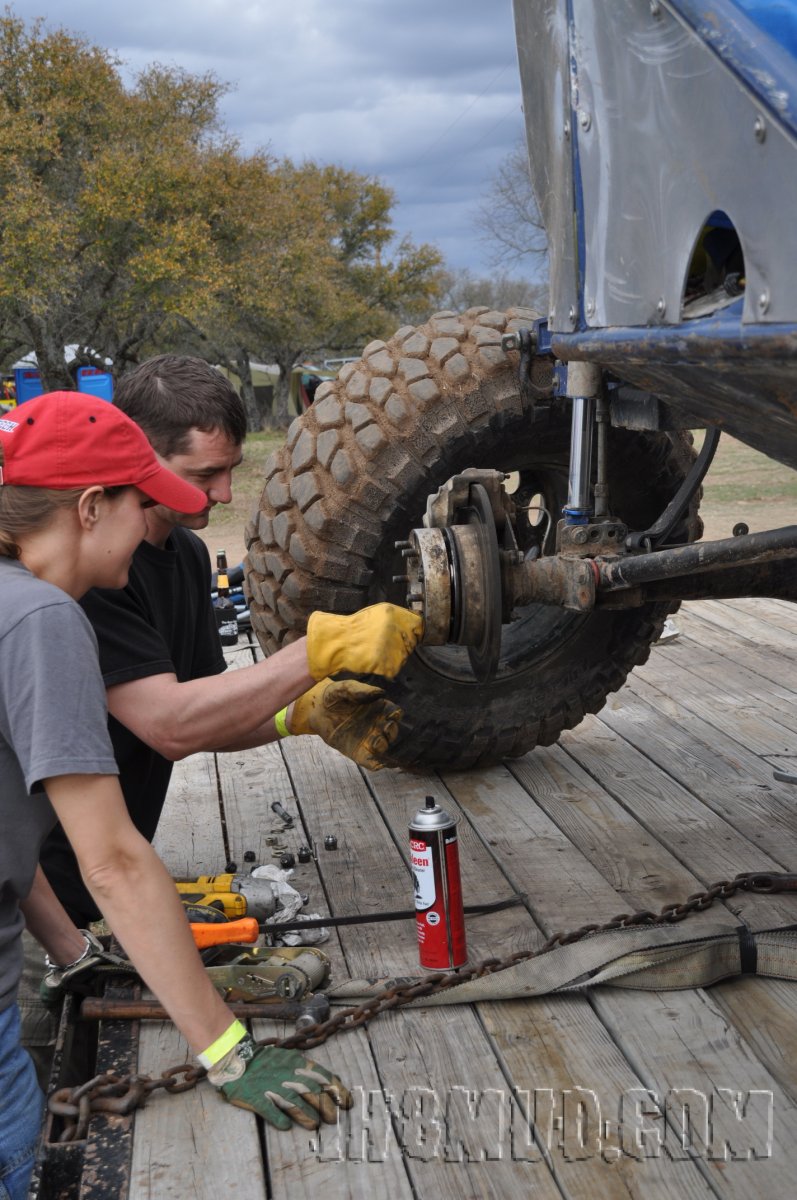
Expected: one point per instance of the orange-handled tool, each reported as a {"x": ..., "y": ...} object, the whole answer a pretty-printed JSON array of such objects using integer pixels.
[{"x": 244, "y": 930}]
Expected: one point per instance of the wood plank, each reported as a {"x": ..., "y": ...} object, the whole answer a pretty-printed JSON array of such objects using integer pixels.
[
  {"x": 741, "y": 626},
  {"x": 359, "y": 1156},
  {"x": 741, "y": 719},
  {"x": 702, "y": 844},
  {"x": 298, "y": 1162},
  {"x": 736, "y": 687},
  {"x": 189, "y": 835},
  {"x": 642, "y": 869},
  {"x": 550, "y": 1046},
  {"x": 192, "y": 1146},
  {"x": 557, "y": 835},
  {"x": 761, "y": 660},
  {"x": 301, "y": 1163},
  {"x": 765, "y": 1013},
  {"x": 766, "y": 608},
  {"x": 784, "y": 762},
  {"x": 563, "y": 1054},
  {"x": 697, "y": 1050},
  {"x": 251, "y": 781},
  {"x": 704, "y": 850},
  {"x": 738, "y": 786},
  {"x": 422, "y": 1056},
  {"x": 365, "y": 874},
  {"x": 720, "y": 772},
  {"x": 684, "y": 1048}
]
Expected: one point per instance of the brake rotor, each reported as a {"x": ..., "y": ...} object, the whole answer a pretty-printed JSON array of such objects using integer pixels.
[
  {"x": 454, "y": 578},
  {"x": 479, "y": 573}
]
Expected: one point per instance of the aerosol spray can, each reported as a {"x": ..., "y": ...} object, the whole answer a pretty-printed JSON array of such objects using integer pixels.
[{"x": 439, "y": 916}]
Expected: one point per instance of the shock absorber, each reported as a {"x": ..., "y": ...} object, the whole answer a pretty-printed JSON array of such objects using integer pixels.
[{"x": 583, "y": 386}]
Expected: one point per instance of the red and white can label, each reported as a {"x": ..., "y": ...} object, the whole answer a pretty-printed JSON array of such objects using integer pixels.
[
  {"x": 422, "y": 874},
  {"x": 438, "y": 900}
]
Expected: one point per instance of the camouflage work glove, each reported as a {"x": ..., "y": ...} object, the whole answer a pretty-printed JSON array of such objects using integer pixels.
[
  {"x": 355, "y": 718},
  {"x": 282, "y": 1086},
  {"x": 374, "y": 641},
  {"x": 81, "y": 975}
]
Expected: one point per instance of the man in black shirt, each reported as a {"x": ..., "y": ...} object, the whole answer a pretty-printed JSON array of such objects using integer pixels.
[{"x": 160, "y": 653}]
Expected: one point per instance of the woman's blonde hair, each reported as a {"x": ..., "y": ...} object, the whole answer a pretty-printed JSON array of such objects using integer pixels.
[{"x": 26, "y": 509}]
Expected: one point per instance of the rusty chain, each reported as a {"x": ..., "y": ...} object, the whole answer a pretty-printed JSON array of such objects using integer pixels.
[{"x": 120, "y": 1095}]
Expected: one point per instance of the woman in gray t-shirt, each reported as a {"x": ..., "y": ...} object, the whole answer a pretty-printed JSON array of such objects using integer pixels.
[{"x": 75, "y": 477}]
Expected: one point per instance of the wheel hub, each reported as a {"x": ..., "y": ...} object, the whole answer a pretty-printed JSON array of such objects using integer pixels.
[{"x": 454, "y": 578}]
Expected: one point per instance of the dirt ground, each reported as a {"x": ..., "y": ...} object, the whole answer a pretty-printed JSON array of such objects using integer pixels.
[{"x": 742, "y": 485}]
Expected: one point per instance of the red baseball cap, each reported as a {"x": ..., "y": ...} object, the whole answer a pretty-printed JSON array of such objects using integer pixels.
[{"x": 68, "y": 440}]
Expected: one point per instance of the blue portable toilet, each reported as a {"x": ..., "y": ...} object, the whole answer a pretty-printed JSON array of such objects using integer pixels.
[
  {"x": 95, "y": 382},
  {"x": 27, "y": 383}
]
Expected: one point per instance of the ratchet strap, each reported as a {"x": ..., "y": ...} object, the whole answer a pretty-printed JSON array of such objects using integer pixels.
[{"x": 655, "y": 959}]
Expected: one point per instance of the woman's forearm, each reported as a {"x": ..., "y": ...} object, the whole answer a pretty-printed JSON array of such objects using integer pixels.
[
  {"x": 141, "y": 905},
  {"x": 139, "y": 900}
]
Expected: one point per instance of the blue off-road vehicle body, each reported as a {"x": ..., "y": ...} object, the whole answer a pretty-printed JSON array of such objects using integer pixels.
[
  {"x": 528, "y": 481},
  {"x": 663, "y": 143}
]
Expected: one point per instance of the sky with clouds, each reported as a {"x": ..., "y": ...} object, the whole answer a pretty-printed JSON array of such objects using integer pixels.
[{"x": 423, "y": 94}]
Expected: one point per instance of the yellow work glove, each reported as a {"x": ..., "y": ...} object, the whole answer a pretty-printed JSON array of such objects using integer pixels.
[
  {"x": 355, "y": 718},
  {"x": 374, "y": 641}
]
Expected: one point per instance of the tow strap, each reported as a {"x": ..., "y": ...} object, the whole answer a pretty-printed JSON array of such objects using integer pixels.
[{"x": 644, "y": 950}]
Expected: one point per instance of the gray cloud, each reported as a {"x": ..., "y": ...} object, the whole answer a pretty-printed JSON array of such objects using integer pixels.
[{"x": 423, "y": 94}]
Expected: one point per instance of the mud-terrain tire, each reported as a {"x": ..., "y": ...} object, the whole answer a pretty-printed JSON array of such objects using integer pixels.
[{"x": 353, "y": 476}]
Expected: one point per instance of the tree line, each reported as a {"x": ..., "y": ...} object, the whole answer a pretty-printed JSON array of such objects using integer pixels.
[{"x": 131, "y": 222}]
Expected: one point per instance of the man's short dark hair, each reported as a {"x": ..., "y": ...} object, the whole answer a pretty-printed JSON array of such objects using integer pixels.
[{"x": 171, "y": 394}]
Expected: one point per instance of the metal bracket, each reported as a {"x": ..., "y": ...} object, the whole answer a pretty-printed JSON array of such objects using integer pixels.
[
  {"x": 441, "y": 508},
  {"x": 532, "y": 344}
]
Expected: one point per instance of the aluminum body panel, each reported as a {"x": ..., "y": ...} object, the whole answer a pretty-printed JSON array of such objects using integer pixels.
[
  {"x": 638, "y": 129},
  {"x": 543, "y": 56},
  {"x": 668, "y": 134}
]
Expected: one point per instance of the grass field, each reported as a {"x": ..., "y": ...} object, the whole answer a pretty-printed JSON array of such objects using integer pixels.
[{"x": 742, "y": 485}]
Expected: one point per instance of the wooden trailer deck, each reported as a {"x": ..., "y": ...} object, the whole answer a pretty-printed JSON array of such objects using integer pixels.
[{"x": 669, "y": 789}]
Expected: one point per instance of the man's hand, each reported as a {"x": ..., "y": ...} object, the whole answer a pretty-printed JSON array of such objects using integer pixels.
[
  {"x": 374, "y": 641},
  {"x": 354, "y": 718},
  {"x": 282, "y": 1086},
  {"x": 81, "y": 975}
]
